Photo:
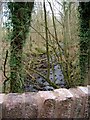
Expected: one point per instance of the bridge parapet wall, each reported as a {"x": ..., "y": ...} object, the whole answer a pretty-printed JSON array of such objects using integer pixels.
[{"x": 60, "y": 103}]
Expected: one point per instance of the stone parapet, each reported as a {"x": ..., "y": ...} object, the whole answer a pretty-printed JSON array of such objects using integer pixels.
[{"x": 60, "y": 103}]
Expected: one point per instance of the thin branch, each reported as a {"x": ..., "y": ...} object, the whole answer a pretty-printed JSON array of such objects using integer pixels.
[
  {"x": 7, "y": 79},
  {"x": 37, "y": 72},
  {"x": 5, "y": 64},
  {"x": 48, "y": 80},
  {"x": 59, "y": 3},
  {"x": 55, "y": 30},
  {"x": 59, "y": 22},
  {"x": 47, "y": 47}
]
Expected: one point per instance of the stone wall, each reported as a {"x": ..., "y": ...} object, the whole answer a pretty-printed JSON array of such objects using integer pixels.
[{"x": 60, "y": 103}]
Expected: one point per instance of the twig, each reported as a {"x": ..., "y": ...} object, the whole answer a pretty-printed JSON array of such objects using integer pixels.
[
  {"x": 48, "y": 80},
  {"x": 47, "y": 47},
  {"x": 5, "y": 62}
]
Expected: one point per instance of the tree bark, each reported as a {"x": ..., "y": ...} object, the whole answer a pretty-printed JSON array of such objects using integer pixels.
[
  {"x": 84, "y": 10},
  {"x": 20, "y": 19}
]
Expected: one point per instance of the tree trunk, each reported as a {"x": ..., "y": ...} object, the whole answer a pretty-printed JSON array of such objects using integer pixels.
[
  {"x": 84, "y": 10},
  {"x": 20, "y": 19}
]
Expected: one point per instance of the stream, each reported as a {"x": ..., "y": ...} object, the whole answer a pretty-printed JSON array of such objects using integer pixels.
[{"x": 40, "y": 83}]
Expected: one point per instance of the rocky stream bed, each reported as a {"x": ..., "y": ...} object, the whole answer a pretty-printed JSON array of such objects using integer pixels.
[{"x": 40, "y": 83}]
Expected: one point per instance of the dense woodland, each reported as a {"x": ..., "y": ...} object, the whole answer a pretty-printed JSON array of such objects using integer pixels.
[{"x": 44, "y": 45}]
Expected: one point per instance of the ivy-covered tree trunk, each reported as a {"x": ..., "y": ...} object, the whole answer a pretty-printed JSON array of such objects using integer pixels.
[
  {"x": 20, "y": 13},
  {"x": 84, "y": 10}
]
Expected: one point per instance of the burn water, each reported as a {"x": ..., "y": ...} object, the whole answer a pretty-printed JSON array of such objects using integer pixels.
[{"x": 56, "y": 76}]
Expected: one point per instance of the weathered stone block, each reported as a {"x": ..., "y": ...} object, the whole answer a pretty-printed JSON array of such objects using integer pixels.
[
  {"x": 63, "y": 103},
  {"x": 62, "y": 93},
  {"x": 79, "y": 100},
  {"x": 47, "y": 98},
  {"x": 86, "y": 92},
  {"x": 48, "y": 109},
  {"x": 13, "y": 106},
  {"x": 1, "y": 103},
  {"x": 63, "y": 108},
  {"x": 30, "y": 105},
  {"x": 60, "y": 103}
]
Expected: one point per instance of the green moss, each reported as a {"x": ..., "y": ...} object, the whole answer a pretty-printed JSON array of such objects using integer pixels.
[
  {"x": 84, "y": 10},
  {"x": 20, "y": 16}
]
